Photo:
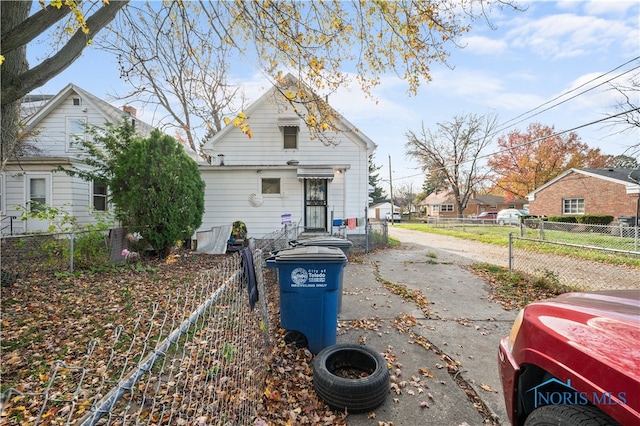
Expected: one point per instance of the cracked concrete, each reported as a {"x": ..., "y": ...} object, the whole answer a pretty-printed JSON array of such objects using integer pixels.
[{"x": 462, "y": 326}]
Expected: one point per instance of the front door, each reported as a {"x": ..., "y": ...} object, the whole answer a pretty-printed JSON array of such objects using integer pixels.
[
  {"x": 38, "y": 194},
  {"x": 315, "y": 212}
]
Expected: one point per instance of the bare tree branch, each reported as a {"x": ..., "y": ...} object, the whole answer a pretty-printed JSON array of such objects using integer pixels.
[{"x": 452, "y": 153}]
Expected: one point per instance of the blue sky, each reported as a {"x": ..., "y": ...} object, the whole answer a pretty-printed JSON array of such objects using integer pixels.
[{"x": 531, "y": 58}]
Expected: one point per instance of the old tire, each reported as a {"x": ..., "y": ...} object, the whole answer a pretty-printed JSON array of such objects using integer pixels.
[
  {"x": 575, "y": 415},
  {"x": 354, "y": 394}
]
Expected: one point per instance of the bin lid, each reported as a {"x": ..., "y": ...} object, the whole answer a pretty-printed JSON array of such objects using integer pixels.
[
  {"x": 311, "y": 253},
  {"x": 327, "y": 241}
]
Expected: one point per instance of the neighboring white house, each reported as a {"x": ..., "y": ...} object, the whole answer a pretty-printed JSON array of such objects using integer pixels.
[
  {"x": 53, "y": 130},
  {"x": 281, "y": 174},
  {"x": 380, "y": 210}
]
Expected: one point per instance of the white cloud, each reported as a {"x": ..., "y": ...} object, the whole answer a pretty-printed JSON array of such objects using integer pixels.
[
  {"x": 567, "y": 35},
  {"x": 480, "y": 45},
  {"x": 608, "y": 7}
]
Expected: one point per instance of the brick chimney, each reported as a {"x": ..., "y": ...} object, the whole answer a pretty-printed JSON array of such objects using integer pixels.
[{"x": 129, "y": 110}]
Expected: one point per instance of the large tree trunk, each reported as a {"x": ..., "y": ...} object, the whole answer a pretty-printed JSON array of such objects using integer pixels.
[
  {"x": 17, "y": 78},
  {"x": 12, "y": 13}
]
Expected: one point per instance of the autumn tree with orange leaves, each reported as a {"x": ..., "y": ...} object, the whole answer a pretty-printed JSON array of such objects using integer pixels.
[{"x": 527, "y": 160}]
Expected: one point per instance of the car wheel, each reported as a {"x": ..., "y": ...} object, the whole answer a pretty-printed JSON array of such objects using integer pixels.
[
  {"x": 577, "y": 415},
  {"x": 501, "y": 222},
  {"x": 351, "y": 377}
]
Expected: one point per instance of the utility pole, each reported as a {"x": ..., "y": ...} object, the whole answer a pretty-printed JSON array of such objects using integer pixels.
[{"x": 391, "y": 191}]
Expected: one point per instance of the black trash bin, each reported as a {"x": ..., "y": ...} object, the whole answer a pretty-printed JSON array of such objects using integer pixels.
[
  {"x": 309, "y": 278},
  {"x": 342, "y": 243}
]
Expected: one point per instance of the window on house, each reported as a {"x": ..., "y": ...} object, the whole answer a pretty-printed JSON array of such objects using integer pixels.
[
  {"x": 573, "y": 206},
  {"x": 290, "y": 137},
  {"x": 75, "y": 132},
  {"x": 512, "y": 205},
  {"x": 446, "y": 208},
  {"x": 99, "y": 196},
  {"x": 37, "y": 194},
  {"x": 270, "y": 185},
  {"x": 76, "y": 101}
]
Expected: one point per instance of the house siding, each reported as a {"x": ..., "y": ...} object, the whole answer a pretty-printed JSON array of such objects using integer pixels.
[
  {"x": 47, "y": 130},
  {"x": 600, "y": 197},
  {"x": 51, "y": 131},
  {"x": 266, "y": 145},
  {"x": 247, "y": 160}
]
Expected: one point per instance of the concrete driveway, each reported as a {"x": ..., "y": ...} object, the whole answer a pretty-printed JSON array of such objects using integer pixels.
[{"x": 443, "y": 361}]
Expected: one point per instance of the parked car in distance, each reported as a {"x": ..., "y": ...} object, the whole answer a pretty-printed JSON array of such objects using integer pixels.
[
  {"x": 396, "y": 217},
  {"x": 487, "y": 216},
  {"x": 510, "y": 216},
  {"x": 574, "y": 360}
]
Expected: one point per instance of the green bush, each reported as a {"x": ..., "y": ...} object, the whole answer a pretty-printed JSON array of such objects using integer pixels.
[
  {"x": 158, "y": 191},
  {"x": 595, "y": 219},
  {"x": 563, "y": 219}
]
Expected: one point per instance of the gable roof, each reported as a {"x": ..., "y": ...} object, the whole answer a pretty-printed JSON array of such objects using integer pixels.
[
  {"x": 438, "y": 198},
  {"x": 493, "y": 199},
  {"x": 291, "y": 80},
  {"x": 109, "y": 112},
  {"x": 616, "y": 176}
]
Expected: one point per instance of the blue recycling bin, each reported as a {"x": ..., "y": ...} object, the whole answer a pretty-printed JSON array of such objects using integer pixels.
[
  {"x": 342, "y": 243},
  {"x": 309, "y": 278}
]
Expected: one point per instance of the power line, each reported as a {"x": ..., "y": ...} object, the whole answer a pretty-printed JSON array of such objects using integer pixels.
[
  {"x": 540, "y": 139},
  {"x": 506, "y": 124}
]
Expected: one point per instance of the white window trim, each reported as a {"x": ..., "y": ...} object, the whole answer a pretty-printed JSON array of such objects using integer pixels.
[
  {"x": 297, "y": 137},
  {"x": 27, "y": 187},
  {"x": 93, "y": 210},
  {"x": 571, "y": 201},
  {"x": 279, "y": 194},
  {"x": 69, "y": 137}
]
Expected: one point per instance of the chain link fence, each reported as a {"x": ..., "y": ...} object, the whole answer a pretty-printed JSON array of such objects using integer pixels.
[
  {"x": 200, "y": 357},
  {"x": 570, "y": 255},
  {"x": 577, "y": 256}
]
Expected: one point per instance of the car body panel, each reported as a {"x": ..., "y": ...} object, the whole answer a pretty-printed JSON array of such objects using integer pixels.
[
  {"x": 510, "y": 216},
  {"x": 588, "y": 342},
  {"x": 487, "y": 216},
  {"x": 396, "y": 217}
]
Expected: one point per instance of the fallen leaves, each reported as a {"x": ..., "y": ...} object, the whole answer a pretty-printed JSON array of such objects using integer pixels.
[
  {"x": 48, "y": 319},
  {"x": 512, "y": 291}
]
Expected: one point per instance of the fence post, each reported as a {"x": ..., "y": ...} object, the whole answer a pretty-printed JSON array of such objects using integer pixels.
[
  {"x": 511, "y": 252},
  {"x": 71, "y": 251},
  {"x": 367, "y": 230},
  {"x": 541, "y": 222}
]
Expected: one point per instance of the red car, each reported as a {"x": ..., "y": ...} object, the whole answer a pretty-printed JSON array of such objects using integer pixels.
[
  {"x": 574, "y": 360},
  {"x": 487, "y": 215}
]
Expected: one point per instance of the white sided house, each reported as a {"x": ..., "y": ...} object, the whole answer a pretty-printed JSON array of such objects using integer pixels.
[
  {"x": 54, "y": 131},
  {"x": 282, "y": 175}
]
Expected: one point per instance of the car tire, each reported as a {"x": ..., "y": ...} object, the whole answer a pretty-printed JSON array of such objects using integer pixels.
[
  {"x": 501, "y": 222},
  {"x": 575, "y": 415},
  {"x": 355, "y": 395}
]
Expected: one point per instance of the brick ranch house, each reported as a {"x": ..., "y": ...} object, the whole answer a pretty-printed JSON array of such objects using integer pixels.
[
  {"x": 443, "y": 204},
  {"x": 587, "y": 191}
]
